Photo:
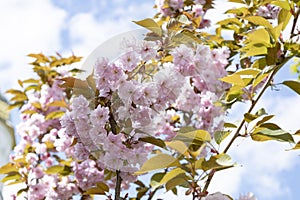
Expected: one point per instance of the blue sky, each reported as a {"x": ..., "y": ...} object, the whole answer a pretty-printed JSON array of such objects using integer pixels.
[{"x": 67, "y": 26}]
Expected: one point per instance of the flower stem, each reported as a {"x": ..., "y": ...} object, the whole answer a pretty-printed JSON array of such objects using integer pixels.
[{"x": 118, "y": 186}]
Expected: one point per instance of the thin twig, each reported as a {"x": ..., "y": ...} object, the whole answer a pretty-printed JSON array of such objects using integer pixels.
[
  {"x": 118, "y": 186},
  {"x": 268, "y": 82}
]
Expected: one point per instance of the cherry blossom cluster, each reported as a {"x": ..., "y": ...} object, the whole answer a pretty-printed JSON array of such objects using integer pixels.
[
  {"x": 268, "y": 11},
  {"x": 171, "y": 8},
  {"x": 40, "y": 134},
  {"x": 140, "y": 96}
]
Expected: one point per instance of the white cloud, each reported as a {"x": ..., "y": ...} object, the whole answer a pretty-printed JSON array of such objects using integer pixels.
[
  {"x": 87, "y": 31},
  {"x": 31, "y": 26}
]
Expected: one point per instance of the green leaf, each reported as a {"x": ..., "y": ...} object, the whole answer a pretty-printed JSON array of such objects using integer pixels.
[
  {"x": 276, "y": 31},
  {"x": 60, "y": 103},
  {"x": 217, "y": 162},
  {"x": 152, "y": 140},
  {"x": 101, "y": 189},
  {"x": 55, "y": 115},
  {"x": 220, "y": 136},
  {"x": 282, "y": 4},
  {"x": 254, "y": 50},
  {"x": 243, "y": 11},
  {"x": 264, "y": 134},
  {"x": 194, "y": 137},
  {"x": 161, "y": 161},
  {"x": 284, "y": 17},
  {"x": 230, "y": 21},
  {"x": 259, "y": 63},
  {"x": 11, "y": 176},
  {"x": 237, "y": 1},
  {"x": 9, "y": 167},
  {"x": 224, "y": 160},
  {"x": 175, "y": 182},
  {"x": 36, "y": 105},
  {"x": 297, "y": 146},
  {"x": 179, "y": 146},
  {"x": 271, "y": 126},
  {"x": 262, "y": 119},
  {"x": 258, "y": 20},
  {"x": 233, "y": 79},
  {"x": 172, "y": 174},
  {"x": 259, "y": 79},
  {"x": 259, "y": 36},
  {"x": 229, "y": 125},
  {"x": 59, "y": 169},
  {"x": 141, "y": 192},
  {"x": 249, "y": 117},
  {"x": 294, "y": 85},
  {"x": 15, "y": 92},
  {"x": 155, "y": 180},
  {"x": 151, "y": 25},
  {"x": 297, "y": 132},
  {"x": 54, "y": 169}
]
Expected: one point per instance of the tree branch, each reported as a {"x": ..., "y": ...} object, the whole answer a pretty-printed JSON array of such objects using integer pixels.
[{"x": 118, "y": 186}]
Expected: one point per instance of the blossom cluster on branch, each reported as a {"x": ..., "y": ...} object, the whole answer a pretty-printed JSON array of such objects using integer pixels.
[{"x": 157, "y": 108}]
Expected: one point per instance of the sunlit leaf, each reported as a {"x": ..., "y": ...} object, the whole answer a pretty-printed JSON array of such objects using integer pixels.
[
  {"x": 152, "y": 140},
  {"x": 268, "y": 134},
  {"x": 234, "y": 79},
  {"x": 9, "y": 167},
  {"x": 258, "y": 20},
  {"x": 220, "y": 136},
  {"x": 59, "y": 103},
  {"x": 179, "y": 146},
  {"x": 11, "y": 176},
  {"x": 282, "y": 4},
  {"x": 55, "y": 115},
  {"x": 151, "y": 25},
  {"x": 229, "y": 125},
  {"x": 294, "y": 85},
  {"x": 172, "y": 174},
  {"x": 284, "y": 17},
  {"x": 217, "y": 162},
  {"x": 159, "y": 161},
  {"x": 175, "y": 182},
  {"x": 297, "y": 146},
  {"x": 194, "y": 137},
  {"x": 155, "y": 180}
]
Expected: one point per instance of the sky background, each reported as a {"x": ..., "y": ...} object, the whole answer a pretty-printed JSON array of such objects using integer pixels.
[{"x": 67, "y": 26}]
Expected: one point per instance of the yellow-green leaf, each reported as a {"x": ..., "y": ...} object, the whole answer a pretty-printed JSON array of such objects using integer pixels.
[
  {"x": 9, "y": 167},
  {"x": 12, "y": 176},
  {"x": 265, "y": 134},
  {"x": 36, "y": 105},
  {"x": 155, "y": 180},
  {"x": 194, "y": 137},
  {"x": 258, "y": 20},
  {"x": 151, "y": 25},
  {"x": 152, "y": 140},
  {"x": 96, "y": 190},
  {"x": 220, "y": 136},
  {"x": 160, "y": 161},
  {"x": 259, "y": 36},
  {"x": 284, "y": 17},
  {"x": 60, "y": 103},
  {"x": 294, "y": 85},
  {"x": 55, "y": 115},
  {"x": 171, "y": 174},
  {"x": 297, "y": 146},
  {"x": 282, "y": 4},
  {"x": 233, "y": 79},
  {"x": 179, "y": 146},
  {"x": 175, "y": 182}
]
